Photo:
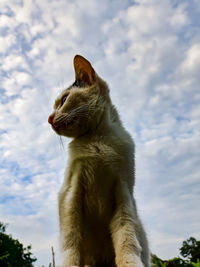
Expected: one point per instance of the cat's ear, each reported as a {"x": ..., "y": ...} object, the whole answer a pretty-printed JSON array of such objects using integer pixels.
[{"x": 84, "y": 71}]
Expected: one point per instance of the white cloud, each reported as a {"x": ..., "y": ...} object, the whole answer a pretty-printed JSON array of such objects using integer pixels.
[
  {"x": 6, "y": 21},
  {"x": 6, "y": 42},
  {"x": 23, "y": 11},
  {"x": 15, "y": 81},
  {"x": 192, "y": 62},
  {"x": 14, "y": 61},
  {"x": 179, "y": 18}
]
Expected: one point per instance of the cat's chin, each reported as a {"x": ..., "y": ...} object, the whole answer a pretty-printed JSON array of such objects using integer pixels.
[
  {"x": 56, "y": 130},
  {"x": 72, "y": 129},
  {"x": 64, "y": 132}
]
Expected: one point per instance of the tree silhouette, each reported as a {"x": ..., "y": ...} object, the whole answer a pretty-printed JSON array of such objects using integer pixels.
[
  {"x": 191, "y": 249},
  {"x": 12, "y": 252}
]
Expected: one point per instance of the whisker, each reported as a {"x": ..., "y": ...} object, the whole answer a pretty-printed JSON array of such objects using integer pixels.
[
  {"x": 61, "y": 117},
  {"x": 81, "y": 111},
  {"x": 61, "y": 142}
]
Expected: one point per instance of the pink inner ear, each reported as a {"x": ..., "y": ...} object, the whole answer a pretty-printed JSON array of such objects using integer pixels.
[{"x": 84, "y": 70}]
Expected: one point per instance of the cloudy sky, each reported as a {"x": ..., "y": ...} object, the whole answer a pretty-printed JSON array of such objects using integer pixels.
[{"x": 149, "y": 53}]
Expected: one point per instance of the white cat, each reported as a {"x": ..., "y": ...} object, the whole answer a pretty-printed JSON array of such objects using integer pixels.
[{"x": 99, "y": 224}]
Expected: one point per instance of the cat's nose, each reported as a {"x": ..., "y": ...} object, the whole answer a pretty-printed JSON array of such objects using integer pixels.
[{"x": 50, "y": 119}]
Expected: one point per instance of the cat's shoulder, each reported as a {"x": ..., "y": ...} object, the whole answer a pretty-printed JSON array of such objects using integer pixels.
[
  {"x": 110, "y": 147},
  {"x": 90, "y": 148}
]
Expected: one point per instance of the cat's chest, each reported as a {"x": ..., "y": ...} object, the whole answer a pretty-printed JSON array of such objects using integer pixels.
[
  {"x": 97, "y": 205},
  {"x": 97, "y": 191},
  {"x": 95, "y": 182},
  {"x": 98, "y": 168}
]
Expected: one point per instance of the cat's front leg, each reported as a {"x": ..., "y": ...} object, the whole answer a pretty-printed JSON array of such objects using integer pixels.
[
  {"x": 69, "y": 257},
  {"x": 70, "y": 215},
  {"x": 123, "y": 229}
]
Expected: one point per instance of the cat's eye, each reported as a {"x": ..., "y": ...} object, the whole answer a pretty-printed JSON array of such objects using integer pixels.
[{"x": 64, "y": 99}]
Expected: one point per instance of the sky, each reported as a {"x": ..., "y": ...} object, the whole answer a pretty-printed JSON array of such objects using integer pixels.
[{"x": 148, "y": 51}]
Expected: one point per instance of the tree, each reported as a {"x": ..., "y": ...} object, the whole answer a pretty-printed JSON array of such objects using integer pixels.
[
  {"x": 191, "y": 249},
  {"x": 12, "y": 252},
  {"x": 175, "y": 262},
  {"x": 157, "y": 262}
]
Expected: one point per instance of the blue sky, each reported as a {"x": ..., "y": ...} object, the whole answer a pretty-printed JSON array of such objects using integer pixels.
[{"x": 149, "y": 53}]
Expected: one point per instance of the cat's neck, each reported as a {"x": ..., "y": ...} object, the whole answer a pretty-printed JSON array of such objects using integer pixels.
[{"x": 109, "y": 126}]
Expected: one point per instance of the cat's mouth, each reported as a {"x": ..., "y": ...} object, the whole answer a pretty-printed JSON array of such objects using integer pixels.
[
  {"x": 55, "y": 128},
  {"x": 66, "y": 125}
]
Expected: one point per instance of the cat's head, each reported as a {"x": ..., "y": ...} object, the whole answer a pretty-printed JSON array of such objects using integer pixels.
[{"x": 79, "y": 108}]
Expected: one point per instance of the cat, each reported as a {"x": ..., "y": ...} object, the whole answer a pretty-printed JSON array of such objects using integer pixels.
[{"x": 99, "y": 223}]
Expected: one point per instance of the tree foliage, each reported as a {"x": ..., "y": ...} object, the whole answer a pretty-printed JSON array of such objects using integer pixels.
[
  {"x": 12, "y": 252},
  {"x": 191, "y": 249},
  {"x": 175, "y": 262}
]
